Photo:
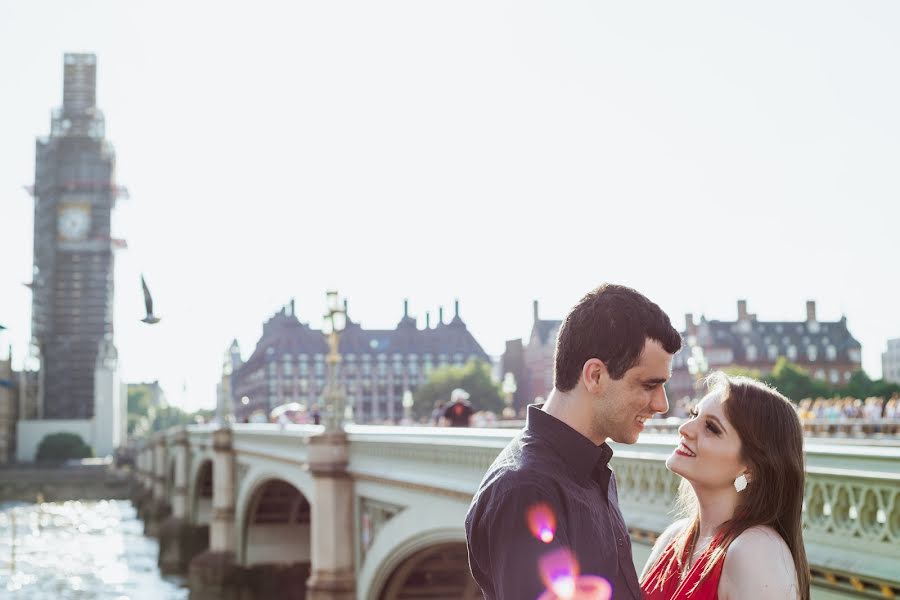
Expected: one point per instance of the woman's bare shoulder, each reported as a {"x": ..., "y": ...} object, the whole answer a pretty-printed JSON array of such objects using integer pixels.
[
  {"x": 662, "y": 541},
  {"x": 758, "y": 564},
  {"x": 673, "y": 530}
]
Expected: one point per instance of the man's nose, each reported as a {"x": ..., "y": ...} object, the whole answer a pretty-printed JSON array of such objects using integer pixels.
[{"x": 660, "y": 402}]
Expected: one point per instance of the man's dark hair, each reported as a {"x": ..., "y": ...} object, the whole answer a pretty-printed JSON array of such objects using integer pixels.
[{"x": 611, "y": 323}]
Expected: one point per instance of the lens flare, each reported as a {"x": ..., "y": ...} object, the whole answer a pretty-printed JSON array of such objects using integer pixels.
[
  {"x": 560, "y": 572},
  {"x": 542, "y": 522}
]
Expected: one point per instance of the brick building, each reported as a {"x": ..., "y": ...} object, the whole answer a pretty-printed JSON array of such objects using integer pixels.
[
  {"x": 890, "y": 362},
  {"x": 532, "y": 363},
  {"x": 826, "y": 349},
  {"x": 378, "y": 366}
]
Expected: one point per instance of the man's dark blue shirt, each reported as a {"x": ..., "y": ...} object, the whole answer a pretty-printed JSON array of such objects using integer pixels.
[{"x": 550, "y": 463}]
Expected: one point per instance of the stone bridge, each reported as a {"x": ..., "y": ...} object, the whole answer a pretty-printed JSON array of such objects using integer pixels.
[{"x": 376, "y": 513}]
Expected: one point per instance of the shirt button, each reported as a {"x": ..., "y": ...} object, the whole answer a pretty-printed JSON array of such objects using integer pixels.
[{"x": 620, "y": 541}]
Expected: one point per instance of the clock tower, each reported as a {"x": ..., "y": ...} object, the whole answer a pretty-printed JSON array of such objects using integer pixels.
[{"x": 72, "y": 302}]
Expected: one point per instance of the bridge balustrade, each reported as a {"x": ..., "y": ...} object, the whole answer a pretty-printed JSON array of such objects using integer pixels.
[{"x": 411, "y": 487}]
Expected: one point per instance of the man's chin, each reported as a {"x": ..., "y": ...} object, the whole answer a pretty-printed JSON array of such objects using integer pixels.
[{"x": 629, "y": 438}]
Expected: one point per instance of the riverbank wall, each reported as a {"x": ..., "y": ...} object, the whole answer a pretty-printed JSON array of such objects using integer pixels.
[{"x": 58, "y": 483}]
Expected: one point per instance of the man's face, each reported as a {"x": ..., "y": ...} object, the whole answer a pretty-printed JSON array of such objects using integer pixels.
[{"x": 626, "y": 403}]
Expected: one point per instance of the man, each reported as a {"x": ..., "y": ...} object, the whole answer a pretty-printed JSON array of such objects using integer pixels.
[
  {"x": 459, "y": 412},
  {"x": 613, "y": 355}
]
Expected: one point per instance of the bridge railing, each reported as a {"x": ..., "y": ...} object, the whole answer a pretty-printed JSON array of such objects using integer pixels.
[{"x": 851, "y": 515}]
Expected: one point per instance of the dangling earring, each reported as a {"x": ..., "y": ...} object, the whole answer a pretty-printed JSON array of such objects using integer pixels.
[{"x": 740, "y": 484}]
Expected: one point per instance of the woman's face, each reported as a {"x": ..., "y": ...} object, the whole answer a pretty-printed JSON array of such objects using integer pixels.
[{"x": 708, "y": 453}]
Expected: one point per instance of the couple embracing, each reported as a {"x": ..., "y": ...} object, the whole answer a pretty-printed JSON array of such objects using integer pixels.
[{"x": 740, "y": 457}]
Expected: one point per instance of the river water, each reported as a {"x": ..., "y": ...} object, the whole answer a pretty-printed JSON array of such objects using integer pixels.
[{"x": 79, "y": 550}]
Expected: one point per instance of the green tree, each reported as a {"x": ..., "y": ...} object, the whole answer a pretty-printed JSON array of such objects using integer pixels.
[
  {"x": 474, "y": 377},
  {"x": 862, "y": 386},
  {"x": 795, "y": 382},
  {"x": 743, "y": 372},
  {"x": 146, "y": 416},
  {"x": 59, "y": 447}
]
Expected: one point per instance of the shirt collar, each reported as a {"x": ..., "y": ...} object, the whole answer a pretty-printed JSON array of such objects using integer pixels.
[{"x": 578, "y": 451}]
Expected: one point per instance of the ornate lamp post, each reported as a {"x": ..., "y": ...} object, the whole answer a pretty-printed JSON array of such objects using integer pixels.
[
  {"x": 407, "y": 406},
  {"x": 508, "y": 387},
  {"x": 334, "y": 325},
  {"x": 697, "y": 365}
]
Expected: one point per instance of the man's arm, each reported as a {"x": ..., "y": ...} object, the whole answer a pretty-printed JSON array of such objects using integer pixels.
[{"x": 505, "y": 549}]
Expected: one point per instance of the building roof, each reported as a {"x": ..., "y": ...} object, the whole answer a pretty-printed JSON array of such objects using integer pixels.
[
  {"x": 544, "y": 329},
  {"x": 284, "y": 334},
  {"x": 739, "y": 336}
]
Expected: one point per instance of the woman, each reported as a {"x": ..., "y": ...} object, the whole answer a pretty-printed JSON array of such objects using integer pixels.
[{"x": 741, "y": 460}]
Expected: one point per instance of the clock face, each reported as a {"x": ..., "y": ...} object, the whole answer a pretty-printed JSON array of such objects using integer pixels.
[{"x": 73, "y": 222}]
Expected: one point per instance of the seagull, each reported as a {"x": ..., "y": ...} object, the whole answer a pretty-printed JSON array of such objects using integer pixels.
[{"x": 150, "y": 319}]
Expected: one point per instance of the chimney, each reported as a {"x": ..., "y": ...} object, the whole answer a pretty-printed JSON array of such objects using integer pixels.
[
  {"x": 405, "y": 308},
  {"x": 427, "y": 320},
  {"x": 810, "y": 311},
  {"x": 292, "y": 308},
  {"x": 345, "y": 306},
  {"x": 440, "y": 315},
  {"x": 456, "y": 308},
  {"x": 535, "y": 307},
  {"x": 742, "y": 310},
  {"x": 689, "y": 326}
]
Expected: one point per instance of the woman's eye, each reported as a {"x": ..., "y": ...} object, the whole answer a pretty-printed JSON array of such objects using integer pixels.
[
  {"x": 712, "y": 428},
  {"x": 693, "y": 413}
]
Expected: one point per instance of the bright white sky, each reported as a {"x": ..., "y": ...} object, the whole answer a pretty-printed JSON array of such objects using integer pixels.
[{"x": 497, "y": 152}]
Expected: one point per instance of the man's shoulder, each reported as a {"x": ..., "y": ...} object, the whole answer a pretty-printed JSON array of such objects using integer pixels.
[{"x": 517, "y": 476}]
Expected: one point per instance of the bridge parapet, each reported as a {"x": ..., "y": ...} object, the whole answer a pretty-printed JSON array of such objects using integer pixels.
[
  {"x": 411, "y": 486},
  {"x": 449, "y": 462}
]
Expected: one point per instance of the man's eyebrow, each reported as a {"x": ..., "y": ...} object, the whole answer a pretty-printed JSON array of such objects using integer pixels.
[{"x": 655, "y": 380}]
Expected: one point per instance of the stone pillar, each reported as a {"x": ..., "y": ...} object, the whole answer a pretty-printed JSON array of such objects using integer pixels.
[
  {"x": 159, "y": 506},
  {"x": 159, "y": 467},
  {"x": 221, "y": 528},
  {"x": 142, "y": 491},
  {"x": 214, "y": 573},
  {"x": 179, "y": 541},
  {"x": 333, "y": 574},
  {"x": 144, "y": 499},
  {"x": 179, "y": 486}
]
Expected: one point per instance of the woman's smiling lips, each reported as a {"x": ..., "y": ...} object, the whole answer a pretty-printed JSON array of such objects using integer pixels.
[{"x": 683, "y": 450}]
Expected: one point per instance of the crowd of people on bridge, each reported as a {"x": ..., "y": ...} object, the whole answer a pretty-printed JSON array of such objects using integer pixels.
[{"x": 834, "y": 415}]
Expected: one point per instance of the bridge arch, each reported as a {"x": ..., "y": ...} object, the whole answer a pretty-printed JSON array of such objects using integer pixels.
[
  {"x": 274, "y": 524},
  {"x": 440, "y": 571},
  {"x": 200, "y": 493},
  {"x": 419, "y": 549}
]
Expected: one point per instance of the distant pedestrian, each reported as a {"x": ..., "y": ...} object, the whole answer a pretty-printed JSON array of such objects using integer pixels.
[
  {"x": 316, "y": 416},
  {"x": 459, "y": 412},
  {"x": 438, "y": 413}
]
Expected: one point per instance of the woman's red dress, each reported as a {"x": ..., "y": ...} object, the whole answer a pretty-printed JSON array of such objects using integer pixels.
[{"x": 692, "y": 586}]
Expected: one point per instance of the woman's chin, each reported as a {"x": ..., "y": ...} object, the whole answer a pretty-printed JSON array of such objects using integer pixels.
[{"x": 673, "y": 464}]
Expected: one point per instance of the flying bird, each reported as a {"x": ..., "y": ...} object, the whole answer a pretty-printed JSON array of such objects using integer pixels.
[{"x": 150, "y": 319}]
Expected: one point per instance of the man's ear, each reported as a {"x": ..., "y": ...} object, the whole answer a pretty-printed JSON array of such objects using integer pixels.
[{"x": 594, "y": 376}]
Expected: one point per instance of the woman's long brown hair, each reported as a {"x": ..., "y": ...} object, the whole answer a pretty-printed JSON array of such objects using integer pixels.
[{"x": 772, "y": 447}]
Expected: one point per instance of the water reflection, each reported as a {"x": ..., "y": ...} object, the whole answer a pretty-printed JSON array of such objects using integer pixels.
[{"x": 79, "y": 550}]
